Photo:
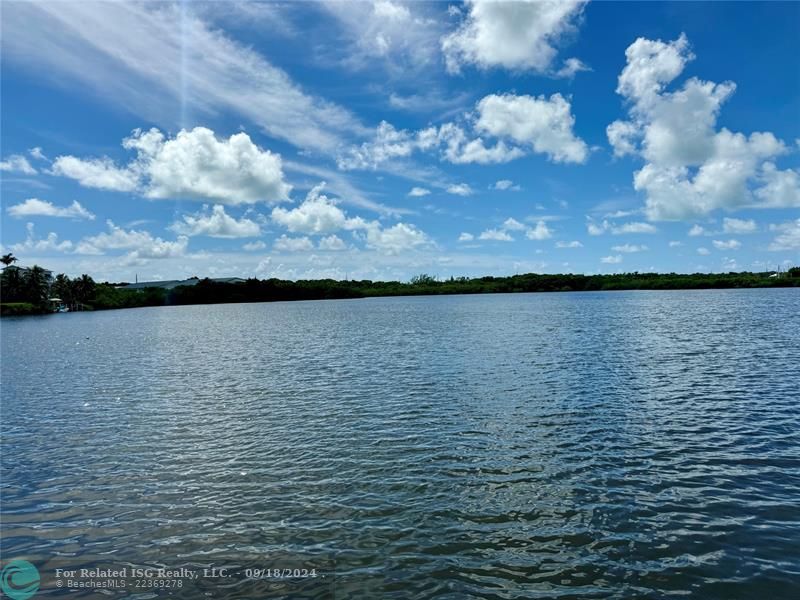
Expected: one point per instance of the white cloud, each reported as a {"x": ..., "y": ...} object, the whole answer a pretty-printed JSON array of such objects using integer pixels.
[
  {"x": 99, "y": 173},
  {"x": 459, "y": 189},
  {"x": 399, "y": 36},
  {"x": 597, "y": 228},
  {"x": 611, "y": 260},
  {"x": 634, "y": 227},
  {"x": 37, "y": 153},
  {"x": 332, "y": 242},
  {"x": 497, "y": 235},
  {"x": 216, "y": 223},
  {"x": 692, "y": 169},
  {"x": 111, "y": 47},
  {"x": 571, "y": 67},
  {"x": 506, "y": 184},
  {"x": 317, "y": 214},
  {"x": 726, "y": 245},
  {"x": 193, "y": 164},
  {"x": 675, "y": 244},
  {"x": 513, "y": 35},
  {"x": 629, "y": 248},
  {"x": 288, "y": 244},
  {"x": 32, "y": 245},
  {"x": 18, "y": 163},
  {"x": 696, "y": 230},
  {"x": 466, "y": 237},
  {"x": 539, "y": 232},
  {"x": 739, "y": 226},
  {"x": 703, "y": 251},
  {"x": 621, "y": 136},
  {"x": 396, "y": 239},
  {"x": 781, "y": 189},
  {"x": 418, "y": 192},
  {"x": 573, "y": 244},
  {"x": 788, "y": 237},
  {"x": 389, "y": 143},
  {"x": 512, "y": 224},
  {"x": 33, "y": 207},
  {"x": 141, "y": 244},
  {"x": 254, "y": 246},
  {"x": 541, "y": 123}
]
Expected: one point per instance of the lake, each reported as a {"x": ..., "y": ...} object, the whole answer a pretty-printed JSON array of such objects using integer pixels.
[{"x": 571, "y": 445}]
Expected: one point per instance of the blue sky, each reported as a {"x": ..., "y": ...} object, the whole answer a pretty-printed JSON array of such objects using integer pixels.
[{"x": 381, "y": 140}]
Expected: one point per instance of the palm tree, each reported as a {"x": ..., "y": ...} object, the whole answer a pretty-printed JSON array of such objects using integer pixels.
[
  {"x": 7, "y": 259},
  {"x": 37, "y": 284}
]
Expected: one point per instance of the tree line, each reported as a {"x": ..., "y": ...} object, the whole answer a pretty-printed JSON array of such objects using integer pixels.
[{"x": 33, "y": 287}]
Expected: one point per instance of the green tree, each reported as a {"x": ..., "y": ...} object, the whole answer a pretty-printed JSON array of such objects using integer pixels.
[
  {"x": 11, "y": 285},
  {"x": 37, "y": 286},
  {"x": 62, "y": 288},
  {"x": 7, "y": 259},
  {"x": 83, "y": 289}
]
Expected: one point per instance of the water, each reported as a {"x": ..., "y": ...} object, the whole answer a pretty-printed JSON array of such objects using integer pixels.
[{"x": 587, "y": 445}]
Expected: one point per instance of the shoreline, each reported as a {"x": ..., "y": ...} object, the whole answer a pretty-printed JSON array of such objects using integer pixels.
[{"x": 107, "y": 296}]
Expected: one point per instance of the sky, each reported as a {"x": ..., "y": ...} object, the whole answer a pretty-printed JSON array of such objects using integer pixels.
[{"x": 381, "y": 140}]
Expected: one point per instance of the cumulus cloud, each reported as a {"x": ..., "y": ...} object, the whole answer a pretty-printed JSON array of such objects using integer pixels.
[
  {"x": 703, "y": 251},
  {"x": 34, "y": 245},
  {"x": 506, "y": 184},
  {"x": 195, "y": 164},
  {"x": 141, "y": 244},
  {"x": 781, "y": 189},
  {"x": 511, "y": 224},
  {"x": 692, "y": 169},
  {"x": 539, "y": 232},
  {"x": 100, "y": 173},
  {"x": 466, "y": 237},
  {"x": 739, "y": 226},
  {"x": 697, "y": 230},
  {"x": 500, "y": 129},
  {"x": 497, "y": 235},
  {"x": 18, "y": 163},
  {"x": 629, "y": 248},
  {"x": 675, "y": 244},
  {"x": 544, "y": 124},
  {"x": 216, "y": 223},
  {"x": 332, "y": 243},
  {"x": 611, "y": 260},
  {"x": 33, "y": 207},
  {"x": 520, "y": 35},
  {"x": 289, "y": 244},
  {"x": 418, "y": 192},
  {"x": 788, "y": 236},
  {"x": 395, "y": 239},
  {"x": 317, "y": 214},
  {"x": 571, "y": 67},
  {"x": 726, "y": 245},
  {"x": 37, "y": 153},
  {"x": 573, "y": 244},
  {"x": 459, "y": 189},
  {"x": 254, "y": 246},
  {"x": 389, "y": 143}
]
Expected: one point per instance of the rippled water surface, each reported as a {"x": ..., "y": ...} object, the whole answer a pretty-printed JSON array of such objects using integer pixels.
[{"x": 588, "y": 445}]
